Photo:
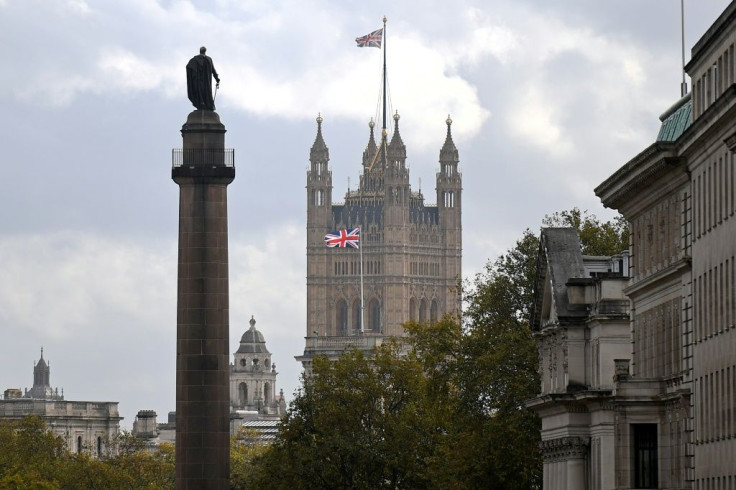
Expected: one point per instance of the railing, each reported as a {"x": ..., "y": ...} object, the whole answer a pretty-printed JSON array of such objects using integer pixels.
[
  {"x": 198, "y": 157},
  {"x": 357, "y": 341}
]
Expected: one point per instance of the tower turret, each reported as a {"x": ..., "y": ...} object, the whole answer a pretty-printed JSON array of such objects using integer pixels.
[
  {"x": 319, "y": 188},
  {"x": 449, "y": 204},
  {"x": 396, "y": 182},
  {"x": 319, "y": 221},
  {"x": 253, "y": 375},
  {"x": 371, "y": 149},
  {"x": 42, "y": 382}
]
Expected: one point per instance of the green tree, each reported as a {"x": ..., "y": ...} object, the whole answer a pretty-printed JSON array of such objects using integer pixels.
[
  {"x": 596, "y": 237},
  {"x": 32, "y": 457},
  {"x": 245, "y": 447},
  {"x": 29, "y": 454},
  {"x": 357, "y": 423},
  {"x": 136, "y": 465}
]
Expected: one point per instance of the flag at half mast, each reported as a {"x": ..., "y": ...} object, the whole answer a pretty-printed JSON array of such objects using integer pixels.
[
  {"x": 372, "y": 40},
  {"x": 343, "y": 238}
]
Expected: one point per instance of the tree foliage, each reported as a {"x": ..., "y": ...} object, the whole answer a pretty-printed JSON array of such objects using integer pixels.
[
  {"x": 245, "y": 446},
  {"x": 596, "y": 237},
  {"x": 357, "y": 423},
  {"x": 32, "y": 457}
]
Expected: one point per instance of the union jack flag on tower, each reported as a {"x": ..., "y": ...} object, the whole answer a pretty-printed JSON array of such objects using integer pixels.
[
  {"x": 372, "y": 40},
  {"x": 343, "y": 238}
]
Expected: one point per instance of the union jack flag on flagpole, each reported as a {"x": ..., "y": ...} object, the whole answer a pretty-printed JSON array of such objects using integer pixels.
[
  {"x": 372, "y": 40},
  {"x": 343, "y": 238}
]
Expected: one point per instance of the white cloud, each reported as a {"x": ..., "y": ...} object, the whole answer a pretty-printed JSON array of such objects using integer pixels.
[
  {"x": 563, "y": 71},
  {"x": 534, "y": 118},
  {"x": 123, "y": 70},
  {"x": 487, "y": 34},
  {"x": 324, "y": 72},
  {"x": 61, "y": 284}
]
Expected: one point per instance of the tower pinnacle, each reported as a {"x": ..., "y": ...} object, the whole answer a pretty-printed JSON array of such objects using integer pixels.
[{"x": 319, "y": 151}]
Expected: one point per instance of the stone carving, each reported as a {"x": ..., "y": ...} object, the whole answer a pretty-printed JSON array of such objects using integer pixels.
[
  {"x": 200, "y": 71},
  {"x": 565, "y": 448}
]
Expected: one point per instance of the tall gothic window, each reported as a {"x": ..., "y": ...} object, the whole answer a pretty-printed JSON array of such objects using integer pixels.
[
  {"x": 433, "y": 312},
  {"x": 374, "y": 315},
  {"x": 342, "y": 317},
  {"x": 356, "y": 316}
]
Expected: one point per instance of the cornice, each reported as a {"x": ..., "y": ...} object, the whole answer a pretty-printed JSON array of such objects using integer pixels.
[
  {"x": 659, "y": 276},
  {"x": 643, "y": 170}
]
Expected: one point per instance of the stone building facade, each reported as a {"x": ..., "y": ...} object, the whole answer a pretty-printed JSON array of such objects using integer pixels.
[
  {"x": 411, "y": 251},
  {"x": 253, "y": 377},
  {"x": 84, "y": 426},
  {"x": 580, "y": 319},
  {"x": 673, "y": 395}
]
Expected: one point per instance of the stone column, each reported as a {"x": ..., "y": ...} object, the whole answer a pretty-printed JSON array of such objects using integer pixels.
[{"x": 202, "y": 169}]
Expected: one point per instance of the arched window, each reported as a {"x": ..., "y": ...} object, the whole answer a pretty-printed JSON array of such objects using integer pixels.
[
  {"x": 341, "y": 320},
  {"x": 423, "y": 310},
  {"x": 79, "y": 444},
  {"x": 267, "y": 392},
  {"x": 356, "y": 316},
  {"x": 99, "y": 447},
  {"x": 373, "y": 322},
  {"x": 433, "y": 312},
  {"x": 413, "y": 310},
  {"x": 243, "y": 394}
]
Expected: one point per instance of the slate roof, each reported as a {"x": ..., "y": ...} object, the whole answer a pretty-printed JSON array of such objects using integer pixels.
[{"x": 560, "y": 259}]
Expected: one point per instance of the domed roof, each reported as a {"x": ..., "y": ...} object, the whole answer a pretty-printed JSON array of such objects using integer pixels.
[{"x": 252, "y": 341}]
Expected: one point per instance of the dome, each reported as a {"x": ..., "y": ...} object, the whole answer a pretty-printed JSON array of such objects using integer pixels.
[{"x": 252, "y": 341}]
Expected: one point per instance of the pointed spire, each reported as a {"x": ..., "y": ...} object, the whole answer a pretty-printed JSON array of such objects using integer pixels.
[
  {"x": 397, "y": 148},
  {"x": 448, "y": 153},
  {"x": 319, "y": 151},
  {"x": 371, "y": 148},
  {"x": 41, "y": 362}
]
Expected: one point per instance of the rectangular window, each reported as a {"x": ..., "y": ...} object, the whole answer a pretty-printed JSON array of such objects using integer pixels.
[{"x": 645, "y": 455}]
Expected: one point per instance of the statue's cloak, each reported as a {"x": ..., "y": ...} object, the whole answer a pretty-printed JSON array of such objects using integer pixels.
[{"x": 199, "y": 82}]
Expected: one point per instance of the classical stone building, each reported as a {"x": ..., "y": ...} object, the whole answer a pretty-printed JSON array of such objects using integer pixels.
[
  {"x": 580, "y": 319},
  {"x": 411, "y": 251},
  {"x": 673, "y": 394},
  {"x": 83, "y": 425},
  {"x": 253, "y": 396}
]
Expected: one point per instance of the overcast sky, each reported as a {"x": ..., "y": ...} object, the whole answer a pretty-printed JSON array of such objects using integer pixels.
[{"x": 548, "y": 99}]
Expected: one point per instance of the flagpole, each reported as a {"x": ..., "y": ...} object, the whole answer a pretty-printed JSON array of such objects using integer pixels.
[
  {"x": 384, "y": 132},
  {"x": 362, "y": 304},
  {"x": 384, "y": 74}
]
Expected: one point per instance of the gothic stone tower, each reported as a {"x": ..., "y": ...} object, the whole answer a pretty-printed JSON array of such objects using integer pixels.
[
  {"x": 203, "y": 169},
  {"x": 411, "y": 251}
]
